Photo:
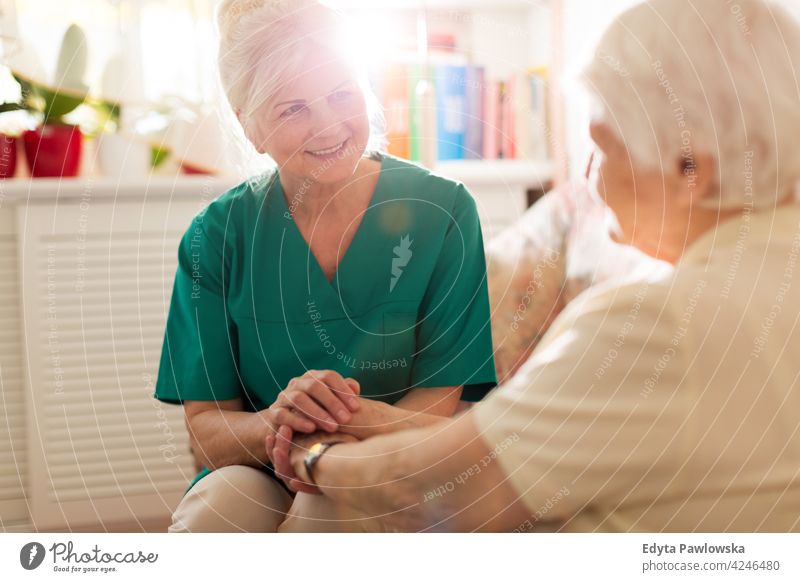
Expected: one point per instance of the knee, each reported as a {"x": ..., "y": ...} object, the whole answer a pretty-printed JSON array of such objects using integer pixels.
[
  {"x": 235, "y": 482},
  {"x": 233, "y": 498},
  {"x": 315, "y": 513}
]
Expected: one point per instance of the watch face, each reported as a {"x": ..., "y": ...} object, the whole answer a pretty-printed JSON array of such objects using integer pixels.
[{"x": 315, "y": 448}]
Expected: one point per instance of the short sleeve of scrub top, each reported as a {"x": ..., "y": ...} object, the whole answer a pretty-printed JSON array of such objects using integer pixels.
[
  {"x": 200, "y": 350},
  {"x": 454, "y": 335},
  {"x": 407, "y": 306}
]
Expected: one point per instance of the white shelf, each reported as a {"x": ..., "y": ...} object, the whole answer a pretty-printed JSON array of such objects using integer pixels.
[
  {"x": 516, "y": 173},
  {"x": 434, "y": 5},
  {"x": 525, "y": 173},
  {"x": 51, "y": 189}
]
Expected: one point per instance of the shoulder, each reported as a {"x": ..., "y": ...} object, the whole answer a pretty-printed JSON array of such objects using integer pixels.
[
  {"x": 644, "y": 307},
  {"x": 230, "y": 210},
  {"x": 237, "y": 200},
  {"x": 663, "y": 317},
  {"x": 417, "y": 181},
  {"x": 222, "y": 224}
]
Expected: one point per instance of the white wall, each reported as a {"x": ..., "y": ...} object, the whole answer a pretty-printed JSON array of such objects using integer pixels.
[{"x": 584, "y": 23}]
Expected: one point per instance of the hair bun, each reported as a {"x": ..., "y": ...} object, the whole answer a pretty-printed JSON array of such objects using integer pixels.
[{"x": 231, "y": 11}]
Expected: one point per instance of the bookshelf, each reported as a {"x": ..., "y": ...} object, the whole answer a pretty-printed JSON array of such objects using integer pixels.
[
  {"x": 466, "y": 90},
  {"x": 465, "y": 82}
]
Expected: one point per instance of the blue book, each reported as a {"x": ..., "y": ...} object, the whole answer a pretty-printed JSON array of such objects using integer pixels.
[{"x": 451, "y": 107}]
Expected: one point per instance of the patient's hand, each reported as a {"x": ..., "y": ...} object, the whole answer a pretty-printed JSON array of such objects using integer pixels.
[
  {"x": 369, "y": 417},
  {"x": 372, "y": 417},
  {"x": 287, "y": 451}
]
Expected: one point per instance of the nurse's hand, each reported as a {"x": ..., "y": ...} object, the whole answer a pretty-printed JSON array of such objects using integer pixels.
[
  {"x": 319, "y": 399},
  {"x": 279, "y": 447}
]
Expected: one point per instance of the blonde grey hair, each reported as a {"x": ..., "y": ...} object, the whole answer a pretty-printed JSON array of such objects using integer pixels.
[
  {"x": 263, "y": 44},
  {"x": 674, "y": 78}
]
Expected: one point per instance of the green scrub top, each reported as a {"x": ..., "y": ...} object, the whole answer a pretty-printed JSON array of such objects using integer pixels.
[{"x": 407, "y": 308}]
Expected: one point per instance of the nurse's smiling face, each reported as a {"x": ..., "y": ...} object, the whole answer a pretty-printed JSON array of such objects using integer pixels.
[{"x": 316, "y": 127}]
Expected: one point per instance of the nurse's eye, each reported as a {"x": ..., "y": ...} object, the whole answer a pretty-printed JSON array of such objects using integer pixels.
[{"x": 293, "y": 110}]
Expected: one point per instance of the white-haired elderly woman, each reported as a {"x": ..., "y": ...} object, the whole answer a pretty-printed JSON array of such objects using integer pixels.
[
  {"x": 667, "y": 403},
  {"x": 344, "y": 292}
]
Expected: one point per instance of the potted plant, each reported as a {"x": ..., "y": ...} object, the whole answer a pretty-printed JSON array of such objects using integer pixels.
[
  {"x": 54, "y": 147},
  {"x": 122, "y": 152}
]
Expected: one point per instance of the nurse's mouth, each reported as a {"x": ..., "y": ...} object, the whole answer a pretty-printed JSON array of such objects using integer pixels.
[{"x": 328, "y": 152}]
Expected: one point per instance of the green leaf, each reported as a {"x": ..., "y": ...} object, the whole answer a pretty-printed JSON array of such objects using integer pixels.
[
  {"x": 109, "y": 109},
  {"x": 158, "y": 155},
  {"x": 53, "y": 103},
  {"x": 72, "y": 60},
  {"x": 57, "y": 105}
]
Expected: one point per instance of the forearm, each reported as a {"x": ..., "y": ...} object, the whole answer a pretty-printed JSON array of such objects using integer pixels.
[
  {"x": 419, "y": 408},
  {"x": 346, "y": 475},
  {"x": 227, "y": 437},
  {"x": 380, "y": 418},
  {"x": 416, "y": 479}
]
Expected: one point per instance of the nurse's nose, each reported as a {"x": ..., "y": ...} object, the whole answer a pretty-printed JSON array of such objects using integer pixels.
[{"x": 324, "y": 121}]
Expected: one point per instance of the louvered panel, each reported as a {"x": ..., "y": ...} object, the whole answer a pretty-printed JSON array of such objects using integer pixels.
[
  {"x": 113, "y": 440},
  {"x": 91, "y": 357},
  {"x": 86, "y": 326},
  {"x": 146, "y": 301},
  {"x": 89, "y": 351},
  {"x": 126, "y": 464},
  {"x": 89, "y": 412},
  {"x": 136, "y": 287},
  {"x": 71, "y": 396},
  {"x": 13, "y": 443},
  {"x": 101, "y": 384},
  {"x": 99, "y": 320},
  {"x": 76, "y": 334},
  {"x": 134, "y": 295},
  {"x": 11, "y": 407}
]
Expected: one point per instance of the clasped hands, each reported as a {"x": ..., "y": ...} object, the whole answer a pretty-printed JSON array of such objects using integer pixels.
[{"x": 315, "y": 407}]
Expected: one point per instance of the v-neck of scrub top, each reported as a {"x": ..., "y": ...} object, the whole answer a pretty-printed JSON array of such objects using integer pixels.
[{"x": 340, "y": 288}]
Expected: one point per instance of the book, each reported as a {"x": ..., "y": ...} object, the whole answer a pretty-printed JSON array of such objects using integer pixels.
[
  {"x": 491, "y": 121},
  {"x": 507, "y": 120},
  {"x": 451, "y": 111},
  {"x": 450, "y": 83},
  {"x": 396, "y": 102}
]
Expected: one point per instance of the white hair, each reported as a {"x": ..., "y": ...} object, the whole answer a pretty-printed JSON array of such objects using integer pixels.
[
  {"x": 263, "y": 44},
  {"x": 675, "y": 78}
]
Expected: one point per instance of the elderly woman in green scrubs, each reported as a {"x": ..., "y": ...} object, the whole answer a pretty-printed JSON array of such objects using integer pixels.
[{"x": 344, "y": 291}]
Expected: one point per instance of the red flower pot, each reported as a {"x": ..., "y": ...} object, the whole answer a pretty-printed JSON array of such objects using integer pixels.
[
  {"x": 8, "y": 155},
  {"x": 53, "y": 150},
  {"x": 194, "y": 170}
]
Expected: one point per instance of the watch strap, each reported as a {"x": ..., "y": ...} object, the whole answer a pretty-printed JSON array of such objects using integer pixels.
[{"x": 313, "y": 456}]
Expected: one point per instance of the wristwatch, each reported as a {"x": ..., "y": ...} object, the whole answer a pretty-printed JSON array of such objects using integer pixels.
[{"x": 313, "y": 456}]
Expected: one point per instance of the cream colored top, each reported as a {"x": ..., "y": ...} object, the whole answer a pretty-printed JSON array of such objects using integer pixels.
[{"x": 667, "y": 404}]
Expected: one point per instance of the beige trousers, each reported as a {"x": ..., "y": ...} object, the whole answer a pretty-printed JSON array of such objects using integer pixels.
[{"x": 244, "y": 499}]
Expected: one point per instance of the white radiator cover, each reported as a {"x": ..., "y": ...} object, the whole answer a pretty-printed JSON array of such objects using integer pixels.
[
  {"x": 13, "y": 446},
  {"x": 95, "y": 280}
]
